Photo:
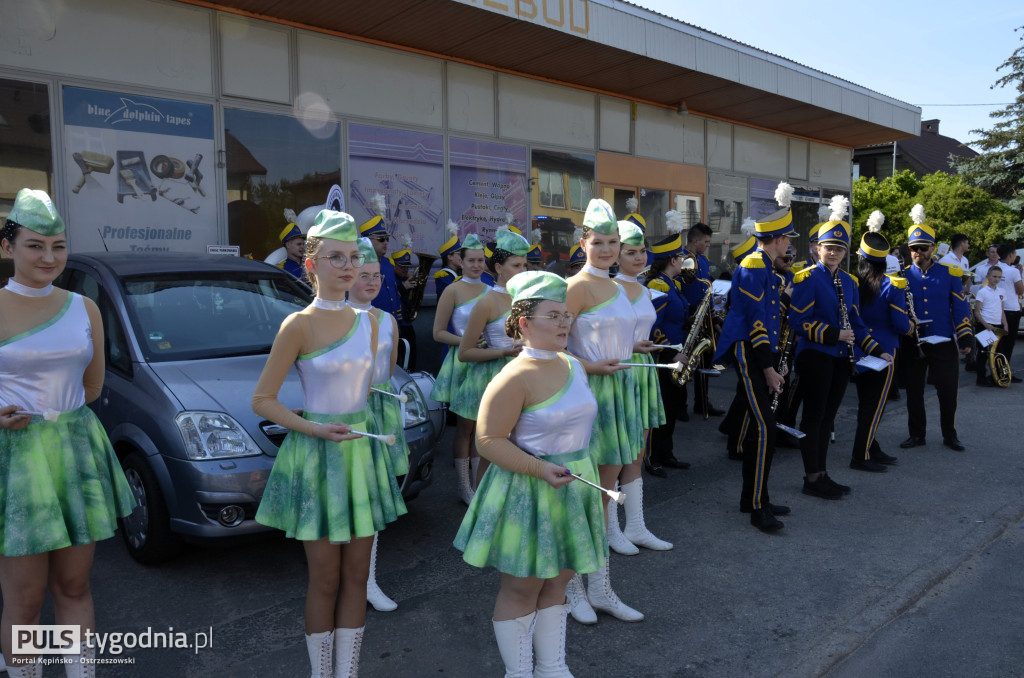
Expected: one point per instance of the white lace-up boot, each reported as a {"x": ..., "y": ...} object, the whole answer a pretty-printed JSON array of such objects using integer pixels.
[
  {"x": 83, "y": 663},
  {"x": 321, "y": 653},
  {"x": 603, "y": 598},
  {"x": 616, "y": 540},
  {"x": 374, "y": 595},
  {"x": 636, "y": 531},
  {"x": 347, "y": 643},
  {"x": 32, "y": 669},
  {"x": 579, "y": 606},
  {"x": 464, "y": 481},
  {"x": 549, "y": 643},
  {"x": 515, "y": 643}
]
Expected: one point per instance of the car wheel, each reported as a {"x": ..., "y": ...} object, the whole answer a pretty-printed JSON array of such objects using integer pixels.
[{"x": 147, "y": 531}]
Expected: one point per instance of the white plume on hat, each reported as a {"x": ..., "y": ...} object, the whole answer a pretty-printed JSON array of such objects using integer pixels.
[
  {"x": 823, "y": 212},
  {"x": 407, "y": 241},
  {"x": 577, "y": 235},
  {"x": 451, "y": 229},
  {"x": 535, "y": 236},
  {"x": 379, "y": 204},
  {"x": 748, "y": 228},
  {"x": 289, "y": 215},
  {"x": 917, "y": 214},
  {"x": 675, "y": 222},
  {"x": 783, "y": 194},
  {"x": 632, "y": 204},
  {"x": 509, "y": 217},
  {"x": 838, "y": 206},
  {"x": 875, "y": 221}
]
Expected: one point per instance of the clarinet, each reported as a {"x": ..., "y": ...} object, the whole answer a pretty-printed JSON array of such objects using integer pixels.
[
  {"x": 783, "y": 365},
  {"x": 845, "y": 319},
  {"x": 913, "y": 317}
]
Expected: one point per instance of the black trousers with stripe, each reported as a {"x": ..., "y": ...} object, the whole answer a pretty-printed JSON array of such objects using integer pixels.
[
  {"x": 941, "y": 367},
  {"x": 823, "y": 379},
  {"x": 757, "y": 428},
  {"x": 872, "y": 392}
]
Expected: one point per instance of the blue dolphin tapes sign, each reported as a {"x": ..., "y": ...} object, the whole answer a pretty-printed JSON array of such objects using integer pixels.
[{"x": 136, "y": 113}]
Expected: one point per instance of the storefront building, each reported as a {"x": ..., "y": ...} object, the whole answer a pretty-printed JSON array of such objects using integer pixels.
[{"x": 163, "y": 125}]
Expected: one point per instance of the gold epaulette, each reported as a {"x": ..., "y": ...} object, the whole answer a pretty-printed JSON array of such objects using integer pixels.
[
  {"x": 954, "y": 270},
  {"x": 752, "y": 260},
  {"x": 658, "y": 284},
  {"x": 898, "y": 281},
  {"x": 804, "y": 274}
]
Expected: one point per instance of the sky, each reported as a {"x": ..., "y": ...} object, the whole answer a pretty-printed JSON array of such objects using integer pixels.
[{"x": 922, "y": 53}]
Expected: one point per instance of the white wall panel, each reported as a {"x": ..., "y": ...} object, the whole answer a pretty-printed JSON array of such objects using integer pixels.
[
  {"x": 717, "y": 60},
  {"x": 666, "y": 44},
  {"x": 830, "y": 165},
  {"x": 798, "y": 159},
  {"x": 719, "y": 145},
  {"x": 881, "y": 113},
  {"x": 607, "y": 26},
  {"x": 826, "y": 95},
  {"x": 256, "y": 60},
  {"x": 758, "y": 73},
  {"x": 759, "y": 152},
  {"x": 372, "y": 82},
  {"x": 615, "y": 124},
  {"x": 795, "y": 85},
  {"x": 160, "y": 45},
  {"x": 537, "y": 111},
  {"x": 470, "y": 99},
  {"x": 666, "y": 135},
  {"x": 856, "y": 104}
]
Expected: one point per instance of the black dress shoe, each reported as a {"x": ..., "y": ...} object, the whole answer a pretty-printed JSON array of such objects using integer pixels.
[
  {"x": 683, "y": 415},
  {"x": 953, "y": 444},
  {"x": 822, "y": 489},
  {"x": 763, "y": 520},
  {"x": 883, "y": 458},
  {"x": 776, "y": 509},
  {"x": 672, "y": 462},
  {"x": 735, "y": 456},
  {"x": 845, "y": 489},
  {"x": 869, "y": 465},
  {"x": 655, "y": 471},
  {"x": 912, "y": 441}
]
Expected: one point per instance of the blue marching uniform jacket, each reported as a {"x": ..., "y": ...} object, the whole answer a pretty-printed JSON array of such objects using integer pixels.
[
  {"x": 939, "y": 297},
  {"x": 389, "y": 299},
  {"x": 814, "y": 313},
  {"x": 672, "y": 310},
  {"x": 755, "y": 312},
  {"x": 695, "y": 290},
  {"x": 442, "y": 279},
  {"x": 886, "y": 315}
]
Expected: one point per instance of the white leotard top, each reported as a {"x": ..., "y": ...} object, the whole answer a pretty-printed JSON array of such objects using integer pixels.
[
  {"x": 563, "y": 422},
  {"x": 460, "y": 314},
  {"x": 335, "y": 379},
  {"x": 604, "y": 331}
]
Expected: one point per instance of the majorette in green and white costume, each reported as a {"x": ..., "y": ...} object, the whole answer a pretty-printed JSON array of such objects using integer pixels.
[
  {"x": 517, "y": 523},
  {"x": 60, "y": 482},
  {"x": 387, "y": 410},
  {"x": 453, "y": 370},
  {"x": 320, "y": 488},
  {"x": 606, "y": 331},
  {"x": 649, "y": 403},
  {"x": 477, "y": 375}
]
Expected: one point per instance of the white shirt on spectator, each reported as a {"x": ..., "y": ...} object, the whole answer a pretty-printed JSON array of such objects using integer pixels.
[
  {"x": 953, "y": 259},
  {"x": 991, "y": 305},
  {"x": 1007, "y": 287}
]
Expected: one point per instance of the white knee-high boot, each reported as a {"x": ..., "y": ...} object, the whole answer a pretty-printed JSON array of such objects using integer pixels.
[
  {"x": 82, "y": 663},
  {"x": 636, "y": 531},
  {"x": 603, "y": 598},
  {"x": 617, "y": 541},
  {"x": 464, "y": 481},
  {"x": 579, "y": 606},
  {"x": 474, "y": 472},
  {"x": 32, "y": 669},
  {"x": 321, "y": 653},
  {"x": 347, "y": 643},
  {"x": 374, "y": 595},
  {"x": 549, "y": 643},
  {"x": 515, "y": 643}
]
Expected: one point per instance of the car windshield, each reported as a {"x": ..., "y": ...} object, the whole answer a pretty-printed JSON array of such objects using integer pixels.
[{"x": 212, "y": 316}]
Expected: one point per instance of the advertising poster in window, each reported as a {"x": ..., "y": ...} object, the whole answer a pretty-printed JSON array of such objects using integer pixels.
[
  {"x": 407, "y": 170},
  {"x": 141, "y": 173},
  {"x": 488, "y": 182}
]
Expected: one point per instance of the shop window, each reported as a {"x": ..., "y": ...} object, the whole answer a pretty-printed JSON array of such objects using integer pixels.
[
  {"x": 727, "y": 198},
  {"x": 581, "y": 191},
  {"x": 556, "y": 217},
  {"x": 27, "y": 157},
  {"x": 552, "y": 189},
  {"x": 487, "y": 181},
  {"x": 275, "y": 162}
]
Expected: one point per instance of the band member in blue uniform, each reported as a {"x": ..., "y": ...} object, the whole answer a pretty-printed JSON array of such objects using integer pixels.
[
  {"x": 698, "y": 238},
  {"x": 389, "y": 300},
  {"x": 825, "y": 314},
  {"x": 883, "y": 308},
  {"x": 941, "y": 306},
  {"x": 294, "y": 241},
  {"x": 672, "y": 310},
  {"x": 451, "y": 260},
  {"x": 535, "y": 257},
  {"x": 750, "y": 341},
  {"x": 732, "y": 424},
  {"x": 401, "y": 261}
]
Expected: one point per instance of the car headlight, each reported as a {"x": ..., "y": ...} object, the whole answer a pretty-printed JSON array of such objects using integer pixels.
[
  {"x": 214, "y": 435},
  {"x": 416, "y": 411}
]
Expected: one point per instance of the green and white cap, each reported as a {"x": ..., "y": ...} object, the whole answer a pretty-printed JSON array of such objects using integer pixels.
[
  {"x": 631, "y": 234},
  {"x": 537, "y": 285},
  {"x": 472, "y": 242},
  {"x": 600, "y": 217},
  {"x": 35, "y": 211},
  {"x": 512, "y": 242},
  {"x": 366, "y": 249},
  {"x": 335, "y": 226}
]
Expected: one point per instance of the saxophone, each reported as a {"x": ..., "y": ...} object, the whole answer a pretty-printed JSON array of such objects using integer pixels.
[{"x": 698, "y": 341}]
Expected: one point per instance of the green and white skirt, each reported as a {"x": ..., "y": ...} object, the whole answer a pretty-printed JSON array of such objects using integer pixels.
[
  {"x": 617, "y": 438},
  {"x": 321, "y": 489},
  {"x": 451, "y": 374},
  {"x": 60, "y": 485},
  {"x": 466, "y": 400},
  {"x": 388, "y": 419},
  {"x": 649, "y": 402},
  {"x": 523, "y": 527}
]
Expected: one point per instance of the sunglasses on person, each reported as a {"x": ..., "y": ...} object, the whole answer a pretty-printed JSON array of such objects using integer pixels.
[
  {"x": 381, "y": 238},
  {"x": 920, "y": 248}
]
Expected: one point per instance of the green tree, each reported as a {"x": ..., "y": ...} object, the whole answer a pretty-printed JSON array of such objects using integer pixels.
[
  {"x": 1000, "y": 167},
  {"x": 950, "y": 205}
]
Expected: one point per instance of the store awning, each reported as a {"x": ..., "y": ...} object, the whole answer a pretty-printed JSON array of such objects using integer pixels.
[{"x": 625, "y": 51}]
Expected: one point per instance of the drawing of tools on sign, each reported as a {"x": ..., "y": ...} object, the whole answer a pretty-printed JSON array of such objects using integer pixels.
[
  {"x": 133, "y": 176},
  {"x": 173, "y": 184},
  {"x": 89, "y": 162},
  {"x": 366, "y": 203}
]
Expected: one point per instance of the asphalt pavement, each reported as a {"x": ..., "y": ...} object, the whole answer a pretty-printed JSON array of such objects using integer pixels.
[{"x": 915, "y": 573}]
